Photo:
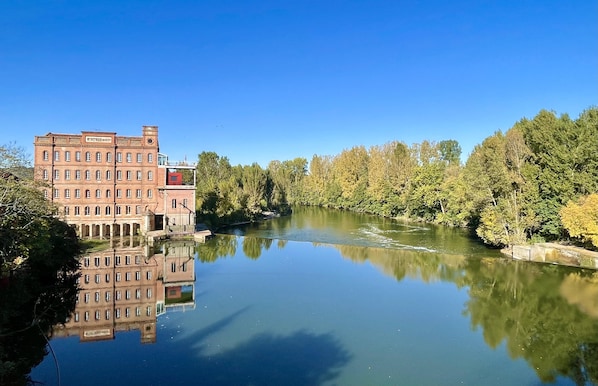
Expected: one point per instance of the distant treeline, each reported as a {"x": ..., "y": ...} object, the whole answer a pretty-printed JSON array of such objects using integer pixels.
[{"x": 537, "y": 181}]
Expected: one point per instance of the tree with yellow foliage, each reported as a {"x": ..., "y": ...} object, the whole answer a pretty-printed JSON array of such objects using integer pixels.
[{"x": 580, "y": 218}]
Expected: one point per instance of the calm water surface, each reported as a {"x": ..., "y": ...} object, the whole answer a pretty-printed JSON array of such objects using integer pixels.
[{"x": 331, "y": 298}]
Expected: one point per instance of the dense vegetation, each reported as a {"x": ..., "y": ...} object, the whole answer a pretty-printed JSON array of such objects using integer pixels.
[
  {"x": 515, "y": 186},
  {"x": 38, "y": 260}
]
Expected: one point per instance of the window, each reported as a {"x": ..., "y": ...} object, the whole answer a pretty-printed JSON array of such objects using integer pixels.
[
  {"x": 148, "y": 293},
  {"x": 172, "y": 267},
  {"x": 149, "y": 193},
  {"x": 137, "y": 259},
  {"x": 127, "y": 260},
  {"x": 98, "y": 193},
  {"x": 67, "y": 156},
  {"x": 76, "y": 316},
  {"x": 119, "y": 175},
  {"x": 66, "y": 211},
  {"x": 56, "y": 193},
  {"x": 98, "y": 175},
  {"x": 77, "y": 193},
  {"x": 139, "y": 158},
  {"x": 87, "y": 175},
  {"x": 45, "y": 173},
  {"x": 173, "y": 202},
  {"x": 128, "y": 276},
  {"x": 148, "y": 311},
  {"x": 138, "y": 175},
  {"x": 87, "y": 156},
  {"x": 127, "y": 312},
  {"x": 57, "y": 156},
  {"x": 128, "y": 209},
  {"x": 86, "y": 297},
  {"x": 137, "y": 275},
  {"x": 97, "y": 315},
  {"x": 108, "y": 175},
  {"x": 117, "y": 295},
  {"x": 150, "y": 158},
  {"x": 96, "y": 261},
  {"x": 138, "y": 193},
  {"x": 117, "y": 210},
  {"x": 117, "y": 278},
  {"x": 67, "y": 193},
  {"x": 137, "y": 311},
  {"x": 138, "y": 208},
  {"x": 56, "y": 174},
  {"x": 107, "y": 278},
  {"x": 87, "y": 193},
  {"x": 107, "y": 296},
  {"x": 129, "y": 158},
  {"x": 108, "y": 210},
  {"x": 77, "y": 174},
  {"x": 137, "y": 293},
  {"x": 108, "y": 157},
  {"x": 117, "y": 313},
  {"x": 97, "y": 278},
  {"x": 45, "y": 155},
  {"x": 119, "y": 157},
  {"x": 128, "y": 175},
  {"x": 184, "y": 202},
  {"x": 86, "y": 261},
  {"x": 78, "y": 156},
  {"x": 128, "y": 294},
  {"x": 98, "y": 157},
  {"x": 98, "y": 211},
  {"x": 86, "y": 316},
  {"x": 107, "y": 261},
  {"x": 148, "y": 275},
  {"x": 67, "y": 174},
  {"x": 117, "y": 260},
  {"x": 119, "y": 193},
  {"x": 150, "y": 175},
  {"x": 108, "y": 193},
  {"x": 128, "y": 193},
  {"x": 87, "y": 211},
  {"x": 77, "y": 211},
  {"x": 107, "y": 314}
]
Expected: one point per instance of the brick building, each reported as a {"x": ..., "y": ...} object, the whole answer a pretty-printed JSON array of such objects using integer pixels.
[{"x": 108, "y": 185}]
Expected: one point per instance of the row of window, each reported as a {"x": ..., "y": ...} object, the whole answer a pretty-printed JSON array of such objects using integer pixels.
[
  {"x": 98, "y": 210},
  {"x": 98, "y": 193},
  {"x": 117, "y": 277},
  {"x": 107, "y": 260},
  {"x": 128, "y": 174},
  {"x": 98, "y": 156},
  {"x": 97, "y": 315},
  {"x": 118, "y": 295}
]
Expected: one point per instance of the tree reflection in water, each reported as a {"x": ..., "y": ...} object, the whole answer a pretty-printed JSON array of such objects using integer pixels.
[
  {"x": 33, "y": 301},
  {"x": 545, "y": 314}
]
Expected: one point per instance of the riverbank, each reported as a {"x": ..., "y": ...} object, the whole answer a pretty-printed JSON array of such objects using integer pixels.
[{"x": 553, "y": 253}]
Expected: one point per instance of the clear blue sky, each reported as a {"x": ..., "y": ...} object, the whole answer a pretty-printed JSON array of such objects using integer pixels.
[{"x": 266, "y": 80}]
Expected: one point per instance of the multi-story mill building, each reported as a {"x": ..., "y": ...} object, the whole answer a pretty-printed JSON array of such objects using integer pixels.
[{"x": 108, "y": 185}]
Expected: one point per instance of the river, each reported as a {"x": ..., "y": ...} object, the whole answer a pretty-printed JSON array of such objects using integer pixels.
[{"x": 325, "y": 297}]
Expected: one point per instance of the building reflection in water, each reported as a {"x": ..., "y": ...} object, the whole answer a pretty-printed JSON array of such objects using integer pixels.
[{"x": 127, "y": 288}]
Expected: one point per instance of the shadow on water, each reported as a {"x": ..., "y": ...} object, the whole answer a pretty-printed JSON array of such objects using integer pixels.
[{"x": 300, "y": 358}]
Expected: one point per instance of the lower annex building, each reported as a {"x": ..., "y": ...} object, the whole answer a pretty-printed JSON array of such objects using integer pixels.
[{"x": 108, "y": 185}]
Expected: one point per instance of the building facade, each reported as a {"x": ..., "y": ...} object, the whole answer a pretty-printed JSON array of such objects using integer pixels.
[{"x": 108, "y": 185}]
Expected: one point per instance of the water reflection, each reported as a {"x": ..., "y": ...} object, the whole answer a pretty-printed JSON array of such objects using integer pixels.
[
  {"x": 544, "y": 314},
  {"x": 127, "y": 288},
  {"x": 33, "y": 301}
]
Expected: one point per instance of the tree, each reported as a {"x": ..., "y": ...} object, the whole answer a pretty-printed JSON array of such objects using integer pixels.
[{"x": 580, "y": 218}]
